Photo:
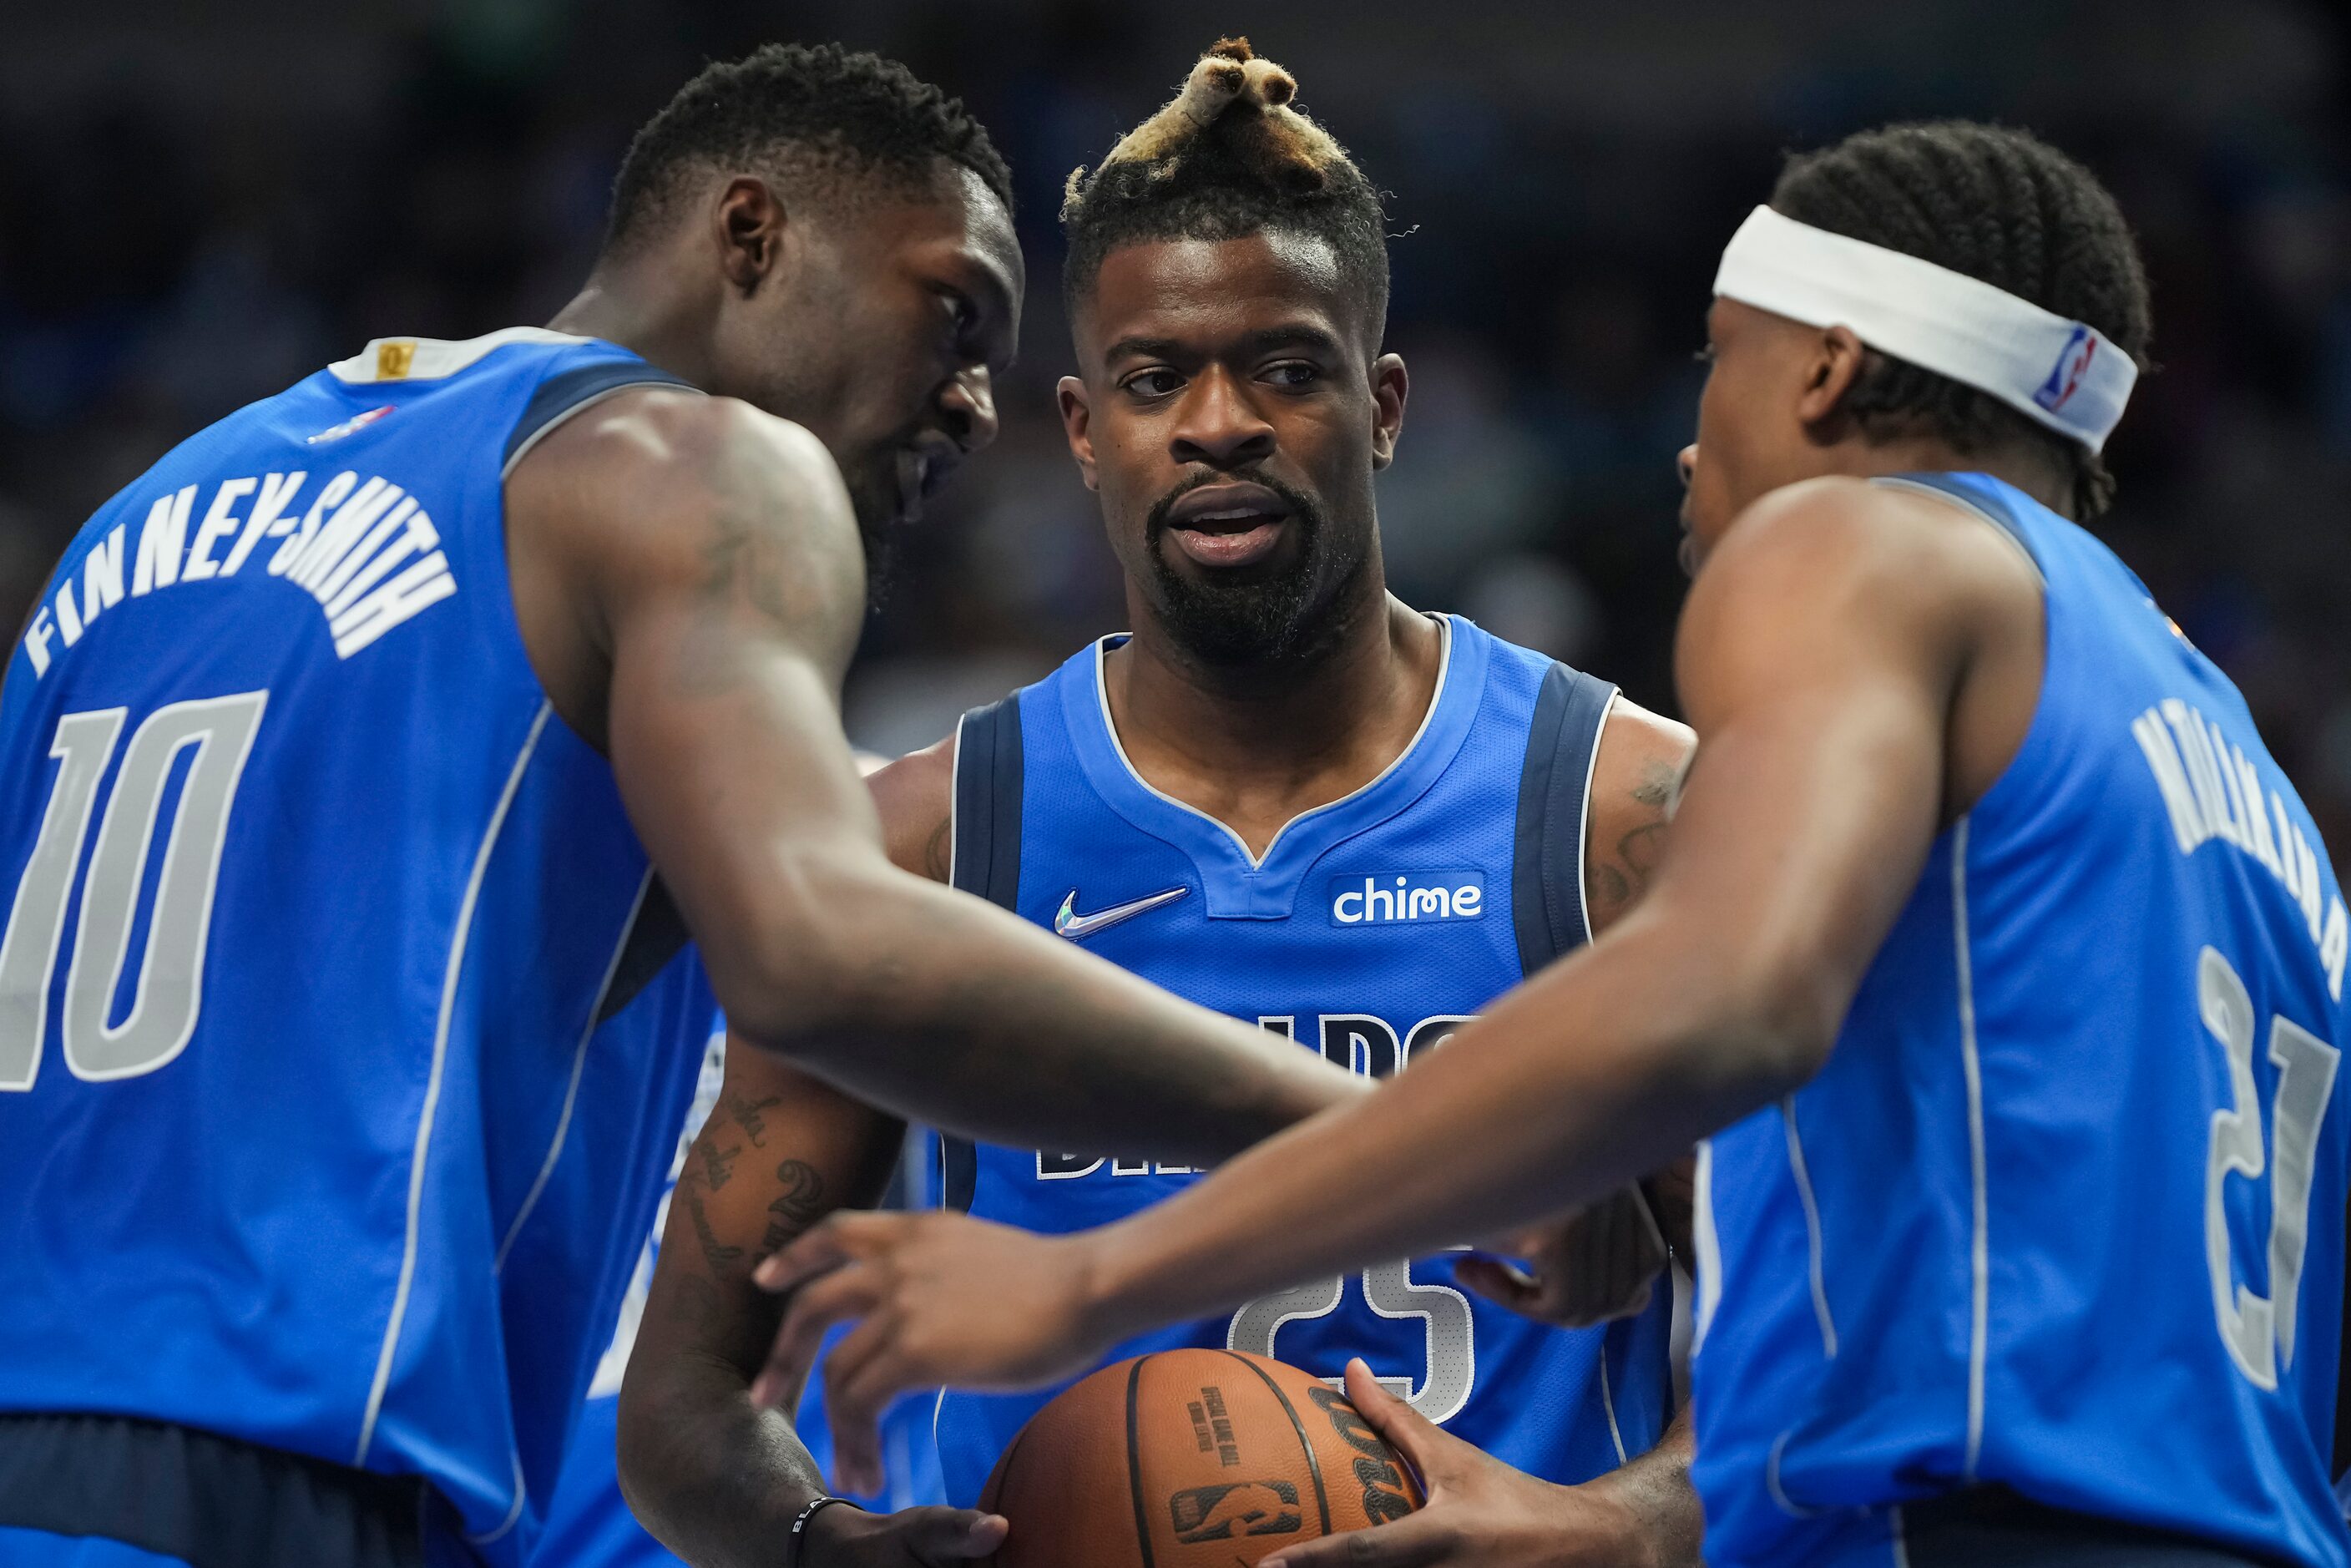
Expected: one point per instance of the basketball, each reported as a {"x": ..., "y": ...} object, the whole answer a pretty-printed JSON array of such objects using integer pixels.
[{"x": 1205, "y": 1457}]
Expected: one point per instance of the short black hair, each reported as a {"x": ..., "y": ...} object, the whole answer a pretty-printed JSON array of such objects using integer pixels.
[
  {"x": 1256, "y": 165},
  {"x": 1999, "y": 205},
  {"x": 820, "y": 108}
]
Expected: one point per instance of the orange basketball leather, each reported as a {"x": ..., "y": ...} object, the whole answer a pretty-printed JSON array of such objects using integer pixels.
[{"x": 1191, "y": 1458}]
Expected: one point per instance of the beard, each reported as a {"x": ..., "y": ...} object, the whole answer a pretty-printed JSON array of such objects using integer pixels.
[
  {"x": 874, "y": 497},
  {"x": 1292, "y": 616}
]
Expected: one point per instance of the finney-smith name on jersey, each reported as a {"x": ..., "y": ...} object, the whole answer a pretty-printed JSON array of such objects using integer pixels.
[{"x": 365, "y": 550}]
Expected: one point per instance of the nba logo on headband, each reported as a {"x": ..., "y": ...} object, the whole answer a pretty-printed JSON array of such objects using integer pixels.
[{"x": 2065, "y": 375}]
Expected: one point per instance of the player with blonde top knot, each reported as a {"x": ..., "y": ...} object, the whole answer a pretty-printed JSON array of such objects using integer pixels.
[{"x": 1288, "y": 797}]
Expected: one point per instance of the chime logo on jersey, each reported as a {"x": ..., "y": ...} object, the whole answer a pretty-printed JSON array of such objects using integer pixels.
[{"x": 1362, "y": 898}]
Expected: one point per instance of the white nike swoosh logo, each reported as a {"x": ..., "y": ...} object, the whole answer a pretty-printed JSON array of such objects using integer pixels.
[{"x": 1077, "y": 927}]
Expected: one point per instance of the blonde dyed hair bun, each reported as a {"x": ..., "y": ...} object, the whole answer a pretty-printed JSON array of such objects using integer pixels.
[{"x": 1236, "y": 98}]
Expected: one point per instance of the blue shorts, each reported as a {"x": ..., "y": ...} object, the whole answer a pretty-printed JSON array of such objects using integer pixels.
[
  {"x": 109, "y": 1491},
  {"x": 39, "y": 1549}
]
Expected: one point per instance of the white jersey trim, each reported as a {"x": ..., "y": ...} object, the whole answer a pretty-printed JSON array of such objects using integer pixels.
[
  {"x": 1980, "y": 1240},
  {"x": 387, "y": 359},
  {"x": 1803, "y": 1175},
  {"x": 1256, "y": 862},
  {"x": 1608, "y": 1405},
  {"x": 579, "y": 1064},
  {"x": 513, "y": 1513},
  {"x": 454, "y": 971},
  {"x": 1583, "y": 835}
]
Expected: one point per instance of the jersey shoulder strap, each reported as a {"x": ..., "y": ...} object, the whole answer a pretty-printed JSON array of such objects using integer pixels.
[
  {"x": 567, "y": 392},
  {"x": 985, "y": 833},
  {"x": 1547, "y": 904},
  {"x": 987, "y": 822}
]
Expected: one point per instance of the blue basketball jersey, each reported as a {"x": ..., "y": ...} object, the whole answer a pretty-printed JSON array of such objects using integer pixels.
[
  {"x": 1372, "y": 929},
  {"x": 344, "y": 1033},
  {"x": 2064, "y": 1210}
]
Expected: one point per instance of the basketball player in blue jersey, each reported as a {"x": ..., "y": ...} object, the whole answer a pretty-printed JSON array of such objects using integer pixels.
[
  {"x": 1286, "y": 796},
  {"x": 1991, "y": 945},
  {"x": 363, "y": 769}
]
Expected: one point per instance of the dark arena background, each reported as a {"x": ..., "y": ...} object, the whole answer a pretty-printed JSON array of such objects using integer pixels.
[{"x": 199, "y": 203}]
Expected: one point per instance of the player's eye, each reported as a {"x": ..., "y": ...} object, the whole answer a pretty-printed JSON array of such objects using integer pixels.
[
  {"x": 1292, "y": 373},
  {"x": 1705, "y": 356},
  {"x": 962, "y": 317},
  {"x": 1156, "y": 382}
]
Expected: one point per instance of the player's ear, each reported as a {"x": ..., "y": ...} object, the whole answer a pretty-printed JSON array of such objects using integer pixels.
[
  {"x": 749, "y": 223},
  {"x": 1835, "y": 365},
  {"x": 1077, "y": 423},
  {"x": 1389, "y": 383}
]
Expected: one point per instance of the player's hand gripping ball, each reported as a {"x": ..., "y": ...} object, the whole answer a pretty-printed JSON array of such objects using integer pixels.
[{"x": 1191, "y": 1458}]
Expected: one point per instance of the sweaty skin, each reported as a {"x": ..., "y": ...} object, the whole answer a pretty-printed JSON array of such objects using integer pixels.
[
  {"x": 1212, "y": 368},
  {"x": 1860, "y": 665},
  {"x": 689, "y": 580}
]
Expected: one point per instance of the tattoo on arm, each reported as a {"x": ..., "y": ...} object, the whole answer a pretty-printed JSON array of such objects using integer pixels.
[
  {"x": 938, "y": 862},
  {"x": 718, "y": 1164},
  {"x": 721, "y": 1258},
  {"x": 745, "y": 1112},
  {"x": 1622, "y": 876},
  {"x": 795, "y": 1208}
]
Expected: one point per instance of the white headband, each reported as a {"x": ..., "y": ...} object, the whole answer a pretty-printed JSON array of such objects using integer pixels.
[{"x": 2065, "y": 374}]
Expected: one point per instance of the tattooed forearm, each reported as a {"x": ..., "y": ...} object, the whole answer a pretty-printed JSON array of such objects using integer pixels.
[
  {"x": 745, "y": 1114},
  {"x": 721, "y": 1258},
  {"x": 718, "y": 1164},
  {"x": 796, "y": 1207}
]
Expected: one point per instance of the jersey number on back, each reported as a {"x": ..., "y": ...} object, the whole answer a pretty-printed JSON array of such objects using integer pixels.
[
  {"x": 2259, "y": 1330},
  {"x": 170, "y": 985}
]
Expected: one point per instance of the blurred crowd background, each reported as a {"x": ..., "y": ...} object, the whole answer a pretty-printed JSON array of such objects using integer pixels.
[{"x": 201, "y": 204}]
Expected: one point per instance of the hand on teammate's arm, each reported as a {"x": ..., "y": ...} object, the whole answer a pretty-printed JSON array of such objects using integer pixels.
[
  {"x": 1481, "y": 1513},
  {"x": 716, "y": 1478}
]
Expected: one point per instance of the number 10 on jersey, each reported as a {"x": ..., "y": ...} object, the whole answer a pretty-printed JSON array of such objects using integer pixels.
[{"x": 169, "y": 991}]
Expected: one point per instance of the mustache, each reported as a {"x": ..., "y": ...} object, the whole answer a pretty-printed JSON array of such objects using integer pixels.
[{"x": 1302, "y": 506}]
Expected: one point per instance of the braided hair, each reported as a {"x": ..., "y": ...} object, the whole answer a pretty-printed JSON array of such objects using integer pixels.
[
  {"x": 850, "y": 123},
  {"x": 1998, "y": 205},
  {"x": 1229, "y": 157}
]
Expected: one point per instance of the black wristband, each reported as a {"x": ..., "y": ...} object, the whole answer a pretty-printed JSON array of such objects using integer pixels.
[{"x": 797, "y": 1551}]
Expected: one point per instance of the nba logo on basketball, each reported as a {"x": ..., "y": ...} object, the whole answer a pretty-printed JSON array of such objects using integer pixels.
[{"x": 2065, "y": 375}]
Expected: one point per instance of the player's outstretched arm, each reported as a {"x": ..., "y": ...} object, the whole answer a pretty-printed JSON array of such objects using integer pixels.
[
  {"x": 1604, "y": 1260},
  {"x": 1821, "y": 656},
  {"x": 707, "y": 588},
  {"x": 718, "y": 1480}
]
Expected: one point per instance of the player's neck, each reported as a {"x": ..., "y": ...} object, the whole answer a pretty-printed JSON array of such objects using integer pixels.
[
  {"x": 2026, "y": 467},
  {"x": 613, "y": 306},
  {"x": 1254, "y": 746}
]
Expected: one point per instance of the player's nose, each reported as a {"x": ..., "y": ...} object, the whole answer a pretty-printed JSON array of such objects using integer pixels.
[
  {"x": 1218, "y": 424},
  {"x": 968, "y": 402},
  {"x": 1686, "y": 462}
]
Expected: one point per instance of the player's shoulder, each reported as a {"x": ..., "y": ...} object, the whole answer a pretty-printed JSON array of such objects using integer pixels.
[
  {"x": 662, "y": 484},
  {"x": 1637, "y": 744},
  {"x": 659, "y": 445},
  {"x": 915, "y": 796},
  {"x": 1857, "y": 557},
  {"x": 1839, "y": 530}
]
